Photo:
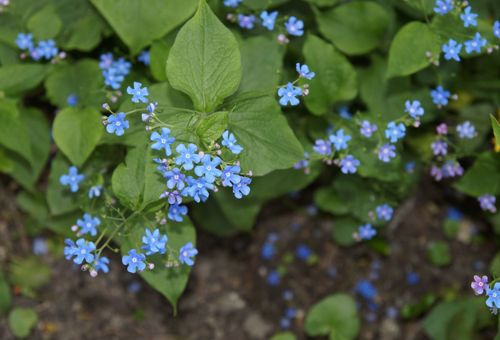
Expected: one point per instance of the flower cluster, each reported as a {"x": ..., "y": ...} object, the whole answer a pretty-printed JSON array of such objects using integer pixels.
[
  {"x": 452, "y": 48},
  {"x": 288, "y": 93},
  {"x": 44, "y": 49},
  {"x": 383, "y": 213},
  {"x": 445, "y": 165},
  {"x": 114, "y": 71},
  {"x": 268, "y": 20},
  {"x": 491, "y": 290}
]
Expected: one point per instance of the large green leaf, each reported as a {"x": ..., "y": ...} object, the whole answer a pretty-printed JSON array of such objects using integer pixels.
[
  {"x": 77, "y": 132},
  {"x": 138, "y": 23},
  {"x": 36, "y": 123},
  {"x": 13, "y": 132},
  {"x": 45, "y": 24},
  {"x": 82, "y": 79},
  {"x": 136, "y": 182},
  {"x": 22, "y": 321},
  {"x": 336, "y": 316},
  {"x": 408, "y": 52},
  {"x": 483, "y": 177},
  {"x": 205, "y": 60},
  {"x": 172, "y": 281},
  {"x": 268, "y": 142},
  {"x": 335, "y": 77},
  {"x": 17, "y": 78},
  {"x": 355, "y": 27}
]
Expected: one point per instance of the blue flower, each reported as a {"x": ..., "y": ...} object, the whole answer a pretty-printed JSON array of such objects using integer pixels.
[
  {"x": 72, "y": 179},
  {"x": 394, "y": 131},
  {"x": 122, "y": 66},
  {"x": 384, "y": 212},
  {"x": 496, "y": 29},
  {"x": 273, "y": 278},
  {"x": 175, "y": 178},
  {"x": 72, "y": 100},
  {"x": 475, "y": 44},
  {"x": 83, "y": 251},
  {"x": 101, "y": 263},
  {"x": 117, "y": 124},
  {"x": 290, "y": 312},
  {"x": 452, "y": 50},
  {"x": 366, "y": 232},
  {"x": 95, "y": 191},
  {"x": 387, "y": 152},
  {"x": 469, "y": 19},
  {"x": 198, "y": 189},
  {"x": 367, "y": 129},
  {"x": 493, "y": 300},
  {"x": 323, "y": 147},
  {"x": 186, "y": 253},
  {"x": 443, "y": 6},
  {"x": 114, "y": 72},
  {"x": 241, "y": 188},
  {"x": 40, "y": 246},
  {"x": 268, "y": 19},
  {"x": 138, "y": 93},
  {"x": 414, "y": 109},
  {"x": 267, "y": 251},
  {"x": 88, "y": 224},
  {"x": 154, "y": 242},
  {"x": 144, "y": 57},
  {"x": 303, "y": 252},
  {"x": 294, "y": 26},
  {"x": 69, "y": 249},
  {"x": 176, "y": 211},
  {"x": 24, "y": 41},
  {"x": 232, "y": 3},
  {"x": 246, "y": 21},
  {"x": 349, "y": 164},
  {"x": 162, "y": 141},
  {"x": 47, "y": 49},
  {"x": 230, "y": 175},
  {"x": 412, "y": 278},
  {"x": 440, "y": 96},
  {"x": 105, "y": 60},
  {"x": 173, "y": 197},
  {"x": 112, "y": 78},
  {"x": 344, "y": 112},
  {"x": 230, "y": 142},
  {"x": 134, "y": 261},
  {"x": 454, "y": 214},
  {"x": 339, "y": 140},
  {"x": 187, "y": 156},
  {"x": 289, "y": 94},
  {"x": 285, "y": 323},
  {"x": 304, "y": 72},
  {"x": 466, "y": 130},
  {"x": 208, "y": 168},
  {"x": 366, "y": 289}
]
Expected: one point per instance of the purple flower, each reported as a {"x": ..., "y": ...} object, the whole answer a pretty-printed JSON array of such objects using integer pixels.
[
  {"x": 384, "y": 212},
  {"x": 480, "y": 284},
  {"x": 442, "y": 129},
  {"x": 246, "y": 21},
  {"x": 173, "y": 197},
  {"x": 349, "y": 164},
  {"x": 323, "y": 147},
  {"x": 386, "y": 152},
  {"x": 487, "y": 203},
  {"x": 367, "y": 129},
  {"x": 439, "y": 147},
  {"x": 436, "y": 173}
]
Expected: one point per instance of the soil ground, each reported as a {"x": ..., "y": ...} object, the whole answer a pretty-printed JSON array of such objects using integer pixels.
[{"x": 228, "y": 297}]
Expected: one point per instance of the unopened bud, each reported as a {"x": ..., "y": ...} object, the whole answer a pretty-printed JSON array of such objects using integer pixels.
[
  {"x": 282, "y": 39},
  {"x": 93, "y": 273},
  {"x": 62, "y": 55},
  {"x": 105, "y": 106},
  {"x": 74, "y": 228},
  {"x": 151, "y": 266},
  {"x": 416, "y": 123}
]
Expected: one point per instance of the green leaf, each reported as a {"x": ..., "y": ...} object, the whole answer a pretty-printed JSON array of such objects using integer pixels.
[
  {"x": 323, "y": 3},
  {"x": 496, "y": 129},
  {"x": 407, "y": 54},
  {"x": 17, "y": 78},
  {"x": 284, "y": 336},
  {"x": 22, "y": 321},
  {"x": 495, "y": 266},
  {"x": 13, "y": 133},
  {"x": 77, "y": 132},
  {"x": 158, "y": 53},
  {"x": 136, "y": 182},
  {"x": 29, "y": 274},
  {"x": 35, "y": 121},
  {"x": 355, "y": 27},
  {"x": 483, "y": 177},
  {"x": 210, "y": 128},
  {"x": 268, "y": 142},
  {"x": 343, "y": 229},
  {"x": 438, "y": 253},
  {"x": 262, "y": 53},
  {"x": 336, "y": 316},
  {"x": 205, "y": 60},
  {"x": 327, "y": 199},
  {"x": 5, "y": 295},
  {"x": 336, "y": 79},
  {"x": 6, "y": 165},
  {"x": 45, "y": 24},
  {"x": 82, "y": 79},
  {"x": 59, "y": 198},
  {"x": 172, "y": 281},
  {"x": 138, "y": 23}
]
